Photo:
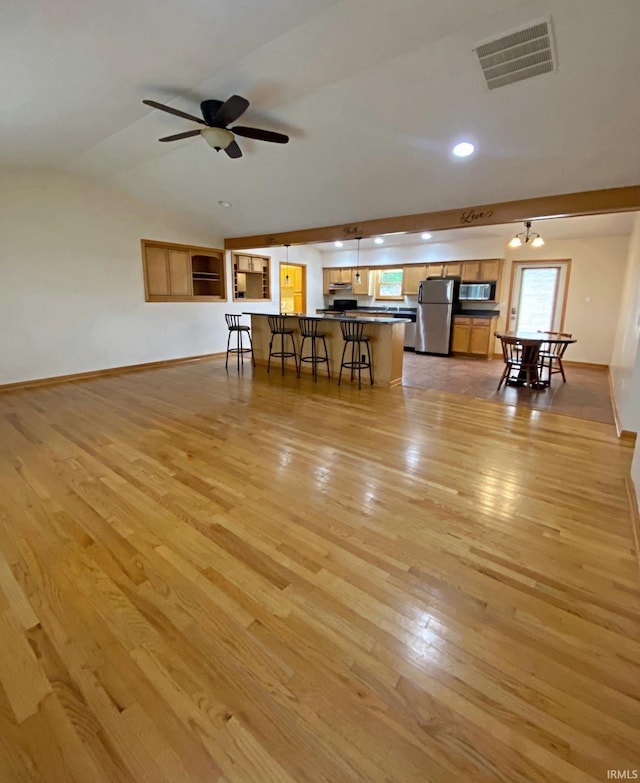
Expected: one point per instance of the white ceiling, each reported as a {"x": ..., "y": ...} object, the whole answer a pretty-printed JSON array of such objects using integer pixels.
[{"x": 372, "y": 93}]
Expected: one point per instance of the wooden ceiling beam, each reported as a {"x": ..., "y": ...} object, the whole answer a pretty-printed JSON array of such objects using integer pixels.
[{"x": 591, "y": 202}]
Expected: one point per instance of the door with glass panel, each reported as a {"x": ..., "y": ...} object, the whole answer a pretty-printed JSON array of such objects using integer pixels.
[{"x": 538, "y": 296}]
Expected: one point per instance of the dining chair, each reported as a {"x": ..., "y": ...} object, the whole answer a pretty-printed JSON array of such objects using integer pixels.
[
  {"x": 551, "y": 353},
  {"x": 521, "y": 356}
]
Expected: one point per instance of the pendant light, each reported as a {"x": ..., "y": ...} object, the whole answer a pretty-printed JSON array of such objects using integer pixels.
[
  {"x": 357, "y": 275},
  {"x": 287, "y": 279},
  {"x": 524, "y": 237}
]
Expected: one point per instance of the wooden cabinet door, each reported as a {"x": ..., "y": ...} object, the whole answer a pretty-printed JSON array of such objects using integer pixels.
[
  {"x": 411, "y": 276},
  {"x": 491, "y": 269},
  {"x": 471, "y": 271},
  {"x": 480, "y": 337},
  {"x": 461, "y": 334},
  {"x": 363, "y": 286},
  {"x": 326, "y": 281},
  {"x": 180, "y": 282},
  {"x": 257, "y": 264},
  {"x": 244, "y": 263},
  {"x": 346, "y": 276},
  {"x": 435, "y": 270},
  {"x": 453, "y": 269},
  {"x": 157, "y": 271}
]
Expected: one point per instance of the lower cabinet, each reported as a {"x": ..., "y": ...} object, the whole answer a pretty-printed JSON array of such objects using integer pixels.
[{"x": 473, "y": 336}]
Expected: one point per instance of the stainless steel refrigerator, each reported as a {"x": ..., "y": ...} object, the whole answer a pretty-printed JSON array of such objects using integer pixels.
[{"x": 434, "y": 316}]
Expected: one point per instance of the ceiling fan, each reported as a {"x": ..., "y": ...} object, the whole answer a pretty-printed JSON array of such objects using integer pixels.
[{"x": 217, "y": 115}]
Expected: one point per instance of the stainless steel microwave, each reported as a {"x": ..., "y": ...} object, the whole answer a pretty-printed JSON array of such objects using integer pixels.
[{"x": 477, "y": 292}]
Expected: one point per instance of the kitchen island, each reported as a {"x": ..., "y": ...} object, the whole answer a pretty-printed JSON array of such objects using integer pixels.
[{"x": 386, "y": 338}]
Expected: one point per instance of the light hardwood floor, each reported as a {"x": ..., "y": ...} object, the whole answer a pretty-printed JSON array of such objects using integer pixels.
[{"x": 206, "y": 577}]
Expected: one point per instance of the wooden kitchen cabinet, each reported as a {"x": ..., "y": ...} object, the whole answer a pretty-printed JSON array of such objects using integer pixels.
[
  {"x": 480, "y": 271},
  {"x": 472, "y": 336},
  {"x": 491, "y": 268},
  {"x": 336, "y": 275},
  {"x": 363, "y": 286},
  {"x": 251, "y": 277},
  {"x": 181, "y": 273},
  {"x": 471, "y": 271},
  {"x": 460, "y": 337},
  {"x": 453, "y": 269},
  {"x": 412, "y": 275}
]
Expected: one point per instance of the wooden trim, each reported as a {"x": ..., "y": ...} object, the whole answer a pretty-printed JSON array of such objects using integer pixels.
[
  {"x": 591, "y": 202},
  {"x": 177, "y": 246},
  {"x": 80, "y": 376},
  {"x": 622, "y": 433},
  {"x": 635, "y": 513}
]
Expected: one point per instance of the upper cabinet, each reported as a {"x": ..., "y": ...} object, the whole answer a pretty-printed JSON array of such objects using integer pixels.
[
  {"x": 251, "y": 275},
  {"x": 341, "y": 277},
  {"x": 361, "y": 287},
  {"x": 488, "y": 269},
  {"x": 411, "y": 276},
  {"x": 179, "y": 273}
]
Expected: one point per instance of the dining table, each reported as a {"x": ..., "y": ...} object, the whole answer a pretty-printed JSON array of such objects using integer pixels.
[{"x": 531, "y": 343}]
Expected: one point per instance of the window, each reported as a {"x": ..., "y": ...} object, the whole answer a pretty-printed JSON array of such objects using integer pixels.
[{"x": 389, "y": 284}]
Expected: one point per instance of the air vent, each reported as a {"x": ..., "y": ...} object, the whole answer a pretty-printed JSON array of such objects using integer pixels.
[{"x": 518, "y": 55}]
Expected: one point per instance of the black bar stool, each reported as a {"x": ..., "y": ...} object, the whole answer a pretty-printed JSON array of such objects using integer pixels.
[
  {"x": 235, "y": 327},
  {"x": 278, "y": 326},
  {"x": 309, "y": 331},
  {"x": 353, "y": 333}
]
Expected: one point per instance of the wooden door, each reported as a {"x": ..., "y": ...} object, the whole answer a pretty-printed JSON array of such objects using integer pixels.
[
  {"x": 411, "y": 277},
  {"x": 471, "y": 271},
  {"x": 461, "y": 333},
  {"x": 491, "y": 269},
  {"x": 157, "y": 271},
  {"x": 180, "y": 281},
  {"x": 363, "y": 286},
  {"x": 479, "y": 338}
]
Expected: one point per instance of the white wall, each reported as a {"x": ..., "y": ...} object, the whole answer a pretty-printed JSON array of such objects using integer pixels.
[
  {"x": 298, "y": 254},
  {"x": 71, "y": 281},
  {"x": 625, "y": 354},
  {"x": 597, "y": 273}
]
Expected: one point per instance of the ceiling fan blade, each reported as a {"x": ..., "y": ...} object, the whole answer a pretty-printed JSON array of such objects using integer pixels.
[
  {"x": 230, "y": 111},
  {"x": 233, "y": 151},
  {"x": 261, "y": 135},
  {"x": 177, "y": 112},
  {"x": 177, "y": 136},
  {"x": 209, "y": 110}
]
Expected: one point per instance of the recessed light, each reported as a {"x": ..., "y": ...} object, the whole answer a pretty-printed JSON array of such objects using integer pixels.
[
  {"x": 338, "y": 244},
  {"x": 226, "y": 204},
  {"x": 463, "y": 149},
  {"x": 379, "y": 241},
  {"x": 426, "y": 235}
]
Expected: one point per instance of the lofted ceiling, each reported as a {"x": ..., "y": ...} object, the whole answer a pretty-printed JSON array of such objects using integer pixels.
[{"x": 373, "y": 94}]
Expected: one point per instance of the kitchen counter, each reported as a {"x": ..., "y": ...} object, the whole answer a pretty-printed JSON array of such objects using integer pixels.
[{"x": 386, "y": 342}]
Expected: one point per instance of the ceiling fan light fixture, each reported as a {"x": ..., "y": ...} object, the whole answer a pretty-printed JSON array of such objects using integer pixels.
[{"x": 218, "y": 138}]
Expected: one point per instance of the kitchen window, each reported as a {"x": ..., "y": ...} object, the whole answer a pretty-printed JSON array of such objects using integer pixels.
[{"x": 389, "y": 284}]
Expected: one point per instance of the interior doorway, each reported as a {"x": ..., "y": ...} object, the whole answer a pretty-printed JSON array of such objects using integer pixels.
[
  {"x": 538, "y": 295},
  {"x": 293, "y": 288}
]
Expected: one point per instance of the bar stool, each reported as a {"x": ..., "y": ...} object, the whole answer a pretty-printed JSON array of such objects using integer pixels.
[
  {"x": 309, "y": 331},
  {"x": 353, "y": 333},
  {"x": 235, "y": 327},
  {"x": 278, "y": 326}
]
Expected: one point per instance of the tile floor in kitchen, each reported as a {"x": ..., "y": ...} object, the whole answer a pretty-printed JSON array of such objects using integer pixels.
[{"x": 584, "y": 395}]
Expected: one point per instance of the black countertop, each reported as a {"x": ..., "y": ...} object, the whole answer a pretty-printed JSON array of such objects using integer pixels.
[{"x": 479, "y": 313}]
